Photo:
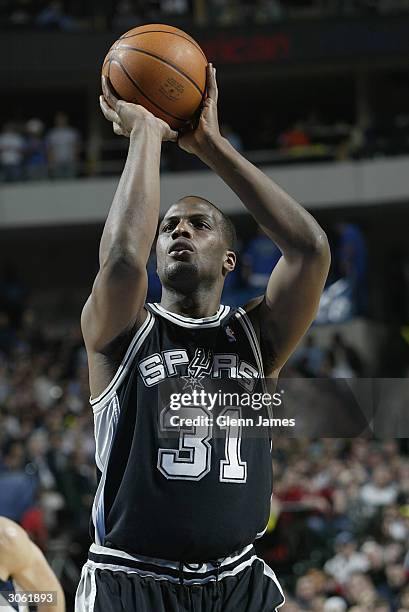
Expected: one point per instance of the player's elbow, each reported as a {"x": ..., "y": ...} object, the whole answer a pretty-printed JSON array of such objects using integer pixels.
[
  {"x": 322, "y": 248},
  {"x": 318, "y": 249}
]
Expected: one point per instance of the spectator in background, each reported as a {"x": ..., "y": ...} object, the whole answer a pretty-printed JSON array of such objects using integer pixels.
[
  {"x": 36, "y": 153},
  {"x": 381, "y": 490},
  {"x": 225, "y": 12},
  {"x": 335, "y": 604},
  {"x": 174, "y": 8},
  {"x": 259, "y": 259},
  {"x": 268, "y": 11},
  {"x": 11, "y": 153},
  {"x": 404, "y": 600},
  {"x": 352, "y": 258},
  {"x": 361, "y": 592},
  {"x": 18, "y": 487},
  {"x": 308, "y": 358},
  {"x": 54, "y": 16},
  {"x": 294, "y": 138},
  {"x": 396, "y": 579},
  {"x": 63, "y": 147},
  {"x": 232, "y": 136},
  {"x": 347, "y": 560},
  {"x": 126, "y": 16},
  {"x": 304, "y": 592},
  {"x": 13, "y": 294},
  {"x": 348, "y": 363}
]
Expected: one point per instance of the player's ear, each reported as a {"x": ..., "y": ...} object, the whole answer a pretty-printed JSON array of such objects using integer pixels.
[{"x": 229, "y": 261}]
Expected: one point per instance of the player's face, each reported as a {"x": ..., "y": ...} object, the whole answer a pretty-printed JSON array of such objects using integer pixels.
[{"x": 191, "y": 248}]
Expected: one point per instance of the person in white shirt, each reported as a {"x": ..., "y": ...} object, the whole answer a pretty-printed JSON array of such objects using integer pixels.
[
  {"x": 63, "y": 148},
  {"x": 12, "y": 147},
  {"x": 347, "y": 560},
  {"x": 380, "y": 491}
]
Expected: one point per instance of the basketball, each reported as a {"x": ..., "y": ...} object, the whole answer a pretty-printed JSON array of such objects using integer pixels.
[{"x": 160, "y": 67}]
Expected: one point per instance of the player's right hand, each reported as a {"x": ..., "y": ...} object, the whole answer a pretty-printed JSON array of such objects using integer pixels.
[{"x": 127, "y": 117}]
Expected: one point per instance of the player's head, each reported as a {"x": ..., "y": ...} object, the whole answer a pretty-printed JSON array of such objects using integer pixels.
[{"x": 195, "y": 246}]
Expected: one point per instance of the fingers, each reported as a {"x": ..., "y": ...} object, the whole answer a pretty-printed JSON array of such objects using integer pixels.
[
  {"x": 118, "y": 130},
  {"x": 108, "y": 95},
  {"x": 211, "y": 83},
  {"x": 108, "y": 112},
  {"x": 171, "y": 135}
]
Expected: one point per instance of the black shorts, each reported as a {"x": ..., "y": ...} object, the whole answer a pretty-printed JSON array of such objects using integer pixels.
[{"x": 114, "y": 581}]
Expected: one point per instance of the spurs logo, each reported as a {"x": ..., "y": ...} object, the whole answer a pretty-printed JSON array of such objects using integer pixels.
[{"x": 201, "y": 363}]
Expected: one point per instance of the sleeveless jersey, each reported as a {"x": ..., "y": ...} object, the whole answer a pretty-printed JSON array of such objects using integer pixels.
[{"x": 198, "y": 493}]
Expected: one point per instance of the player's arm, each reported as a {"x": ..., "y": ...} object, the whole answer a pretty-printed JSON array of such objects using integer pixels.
[
  {"x": 296, "y": 283},
  {"x": 23, "y": 561},
  {"x": 119, "y": 291}
]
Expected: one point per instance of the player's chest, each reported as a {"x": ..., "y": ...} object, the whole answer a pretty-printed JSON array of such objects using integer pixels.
[{"x": 223, "y": 354}]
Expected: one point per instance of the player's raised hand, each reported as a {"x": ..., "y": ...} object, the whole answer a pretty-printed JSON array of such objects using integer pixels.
[
  {"x": 127, "y": 117},
  {"x": 207, "y": 128}
]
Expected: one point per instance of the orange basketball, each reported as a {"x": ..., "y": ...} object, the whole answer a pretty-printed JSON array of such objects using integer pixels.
[{"x": 160, "y": 67}]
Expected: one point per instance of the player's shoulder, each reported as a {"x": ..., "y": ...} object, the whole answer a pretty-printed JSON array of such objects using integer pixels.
[
  {"x": 10, "y": 531},
  {"x": 254, "y": 311},
  {"x": 12, "y": 536}
]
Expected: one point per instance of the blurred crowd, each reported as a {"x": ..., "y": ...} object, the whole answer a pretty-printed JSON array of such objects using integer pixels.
[
  {"x": 339, "y": 528},
  {"x": 73, "y": 15},
  {"x": 28, "y": 152}
]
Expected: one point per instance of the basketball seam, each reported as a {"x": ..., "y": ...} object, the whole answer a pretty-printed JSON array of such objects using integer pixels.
[
  {"x": 168, "y": 63},
  {"x": 193, "y": 42},
  {"x": 144, "y": 94}
]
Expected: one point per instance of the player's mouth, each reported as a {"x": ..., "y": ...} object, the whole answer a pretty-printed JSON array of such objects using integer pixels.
[{"x": 180, "y": 249}]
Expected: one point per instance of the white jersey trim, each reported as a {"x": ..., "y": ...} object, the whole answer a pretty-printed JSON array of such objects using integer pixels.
[
  {"x": 269, "y": 572},
  {"x": 86, "y": 590},
  {"x": 247, "y": 325},
  {"x": 204, "y": 567},
  {"x": 213, "y": 321},
  {"x": 104, "y": 436},
  {"x": 92, "y": 565},
  {"x": 99, "y": 402}
]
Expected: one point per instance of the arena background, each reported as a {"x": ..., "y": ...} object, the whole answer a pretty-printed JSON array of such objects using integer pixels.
[{"x": 317, "y": 93}]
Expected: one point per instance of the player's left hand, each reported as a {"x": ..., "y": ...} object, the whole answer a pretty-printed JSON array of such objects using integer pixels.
[{"x": 197, "y": 139}]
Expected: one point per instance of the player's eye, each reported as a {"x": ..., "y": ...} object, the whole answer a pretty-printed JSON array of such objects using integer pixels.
[
  {"x": 168, "y": 227},
  {"x": 202, "y": 224}
]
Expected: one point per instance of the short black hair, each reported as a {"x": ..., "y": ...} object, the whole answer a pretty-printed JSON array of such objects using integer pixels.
[{"x": 228, "y": 229}]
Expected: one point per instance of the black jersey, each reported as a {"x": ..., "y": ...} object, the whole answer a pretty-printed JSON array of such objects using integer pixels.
[{"x": 194, "y": 495}]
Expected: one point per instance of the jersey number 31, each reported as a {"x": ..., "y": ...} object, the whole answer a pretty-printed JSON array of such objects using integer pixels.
[{"x": 192, "y": 460}]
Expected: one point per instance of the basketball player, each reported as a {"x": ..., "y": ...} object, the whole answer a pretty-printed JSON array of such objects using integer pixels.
[
  {"x": 174, "y": 520},
  {"x": 23, "y": 567}
]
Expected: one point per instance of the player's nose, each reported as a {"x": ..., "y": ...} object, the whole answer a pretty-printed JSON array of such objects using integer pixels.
[{"x": 182, "y": 229}]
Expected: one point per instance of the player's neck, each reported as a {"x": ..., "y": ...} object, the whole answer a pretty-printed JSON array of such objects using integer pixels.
[{"x": 196, "y": 305}]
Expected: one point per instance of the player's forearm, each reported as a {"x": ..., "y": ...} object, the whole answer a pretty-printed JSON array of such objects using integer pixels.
[
  {"x": 131, "y": 224},
  {"x": 287, "y": 223},
  {"x": 37, "y": 576}
]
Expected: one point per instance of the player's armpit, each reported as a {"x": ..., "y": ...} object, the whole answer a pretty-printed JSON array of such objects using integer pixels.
[
  {"x": 115, "y": 304},
  {"x": 289, "y": 305}
]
